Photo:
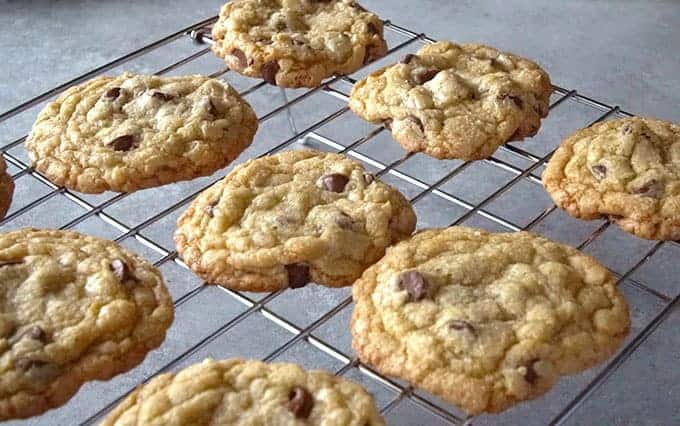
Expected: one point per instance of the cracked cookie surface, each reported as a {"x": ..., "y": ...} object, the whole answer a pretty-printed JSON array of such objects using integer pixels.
[
  {"x": 6, "y": 188},
  {"x": 134, "y": 131},
  {"x": 288, "y": 219},
  {"x": 74, "y": 309},
  {"x": 297, "y": 43},
  {"x": 242, "y": 392},
  {"x": 627, "y": 170},
  {"x": 455, "y": 101},
  {"x": 486, "y": 320}
]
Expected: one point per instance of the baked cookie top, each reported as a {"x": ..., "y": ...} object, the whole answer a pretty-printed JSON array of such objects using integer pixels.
[
  {"x": 137, "y": 131},
  {"x": 291, "y": 218},
  {"x": 486, "y": 320},
  {"x": 455, "y": 101},
  {"x": 627, "y": 170},
  {"x": 6, "y": 188},
  {"x": 73, "y": 309},
  {"x": 241, "y": 392},
  {"x": 297, "y": 43}
]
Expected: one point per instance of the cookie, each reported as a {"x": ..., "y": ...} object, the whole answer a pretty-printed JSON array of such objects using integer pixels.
[
  {"x": 455, "y": 101},
  {"x": 6, "y": 188},
  {"x": 626, "y": 170},
  {"x": 243, "y": 392},
  {"x": 289, "y": 219},
  {"x": 297, "y": 43},
  {"x": 486, "y": 320},
  {"x": 133, "y": 132},
  {"x": 74, "y": 309}
]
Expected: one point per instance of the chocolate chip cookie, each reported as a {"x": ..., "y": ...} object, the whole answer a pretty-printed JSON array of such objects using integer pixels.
[
  {"x": 455, "y": 101},
  {"x": 626, "y": 170},
  {"x": 486, "y": 320},
  {"x": 243, "y": 392},
  {"x": 132, "y": 132},
  {"x": 74, "y": 309},
  {"x": 291, "y": 218},
  {"x": 297, "y": 43},
  {"x": 6, "y": 188}
]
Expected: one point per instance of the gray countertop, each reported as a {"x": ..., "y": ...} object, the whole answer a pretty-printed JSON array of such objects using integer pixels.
[{"x": 622, "y": 53}]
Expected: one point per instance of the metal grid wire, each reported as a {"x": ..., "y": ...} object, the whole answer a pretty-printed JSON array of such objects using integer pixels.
[{"x": 199, "y": 33}]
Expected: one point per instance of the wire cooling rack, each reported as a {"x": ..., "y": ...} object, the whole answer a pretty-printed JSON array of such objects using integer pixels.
[{"x": 310, "y": 326}]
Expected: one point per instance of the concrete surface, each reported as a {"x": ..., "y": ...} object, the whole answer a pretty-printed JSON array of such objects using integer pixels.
[{"x": 620, "y": 52}]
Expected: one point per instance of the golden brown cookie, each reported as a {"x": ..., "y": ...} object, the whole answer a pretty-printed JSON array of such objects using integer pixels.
[
  {"x": 297, "y": 43},
  {"x": 6, "y": 188},
  {"x": 73, "y": 309},
  {"x": 455, "y": 101},
  {"x": 626, "y": 170},
  {"x": 486, "y": 320},
  {"x": 287, "y": 219}
]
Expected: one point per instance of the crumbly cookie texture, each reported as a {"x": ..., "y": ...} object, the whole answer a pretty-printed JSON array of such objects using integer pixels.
[
  {"x": 455, "y": 101},
  {"x": 297, "y": 43},
  {"x": 486, "y": 320},
  {"x": 132, "y": 132},
  {"x": 241, "y": 392},
  {"x": 6, "y": 188},
  {"x": 627, "y": 170},
  {"x": 288, "y": 219},
  {"x": 74, "y": 309}
]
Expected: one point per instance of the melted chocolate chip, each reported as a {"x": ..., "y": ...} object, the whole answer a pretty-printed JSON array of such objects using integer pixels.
[
  {"x": 373, "y": 29},
  {"x": 627, "y": 129},
  {"x": 121, "y": 270},
  {"x": 358, "y": 7},
  {"x": 599, "y": 171},
  {"x": 212, "y": 109},
  {"x": 241, "y": 57},
  {"x": 297, "y": 42},
  {"x": 369, "y": 178},
  {"x": 298, "y": 275},
  {"x": 407, "y": 59},
  {"x": 112, "y": 93},
  {"x": 345, "y": 221},
  {"x": 163, "y": 97},
  {"x": 210, "y": 209},
  {"x": 414, "y": 284},
  {"x": 335, "y": 182},
  {"x": 652, "y": 188},
  {"x": 531, "y": 375},
  {"x": 269, "y": 70},
  {"x": 425, "y": 75},
  {"x": 123, "y": 143},
  {"x": 10, "y": 262},
  {"x": 300, "y": 402},
  {"x": 37, "y": 333},
  {"x": 461, "y": 325},
  {"x": 417, "y": 122},
  {"x": 516, "y": 99},
  {"x": 388, "y": 123}
]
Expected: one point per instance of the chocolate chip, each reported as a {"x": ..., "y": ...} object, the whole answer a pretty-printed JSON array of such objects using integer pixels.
[
  {"x": 297, "y": 42},
  {"x": 345, "y": 221},
  {"x": 373, "y": 29},
  {"x": 407, "y": 59},
  {"x": 335, "y": 182},
  {"x": 417, "y": 122},
  {"x": 242, "y": 59},
  {"x": 262, "y": 40},
  {"x": 25, "y": 364},
  {"x": 298, "y": 275},
  {"x": 112, "y": 93},
  {"x": 121, "y": 270},
  {"x": 414, "y": 284},
  {"x": 212, "y": 109},
  {"x": 531, "y": 375},
  {"x": 627, "y": 129},
  {"x": 461, "y": 325},
  {"x": 210, "y": 209},
  {"x": 652, "y": 188},
  {"x": 123, "y": 143},
  {"x": 388, "y": 123},
  {"x": 10, "y": 262},
  {"x": 516, "y": 99},
  {"x": 163, "y": 97},
  {"x": 37, "y": 333},
  {"x": 369, "y": 178},
  {"x": 269, "y": 70},
  {"x": 424, "y": 75},
  {"x": 358, "y": 7},
  {"x": 599, "y": 171},
  {"x": 300, "y": 402}
]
